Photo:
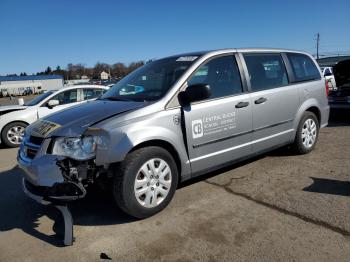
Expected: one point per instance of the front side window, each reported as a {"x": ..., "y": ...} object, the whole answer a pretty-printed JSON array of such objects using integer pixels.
[
  {"x": 151, "y": 81},
  {"x": 266, "y": 71},
  {"x": 304, "y": 68},
  {"x": 221, "y": 74},
  {"x": 38, "y": 99},
  {"x": 66, "y": 97}
]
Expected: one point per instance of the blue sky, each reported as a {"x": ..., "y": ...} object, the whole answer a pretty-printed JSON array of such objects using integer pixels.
[{"x": 35, "y": 34}]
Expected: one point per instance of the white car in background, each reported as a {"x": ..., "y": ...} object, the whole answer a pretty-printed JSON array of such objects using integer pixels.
[
  {"x": 329, "y": 76},
  {"x": 15, "y": 118}
]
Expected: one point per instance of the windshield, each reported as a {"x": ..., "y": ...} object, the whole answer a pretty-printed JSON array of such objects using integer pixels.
[
  {"x": 151, "y": 81},
  {"x": 38, "y": 99}
]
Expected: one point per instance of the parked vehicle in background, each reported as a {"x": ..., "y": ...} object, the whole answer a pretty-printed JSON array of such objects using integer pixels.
[
  {"x": 328, "y": 75},
  {"x": 15, "y": 118},
  {"x": 173, "y": 119},
  {"x": 340, "y": 98},
  {"x": 28, "y": 91},
  {"x": 3, "y": 92}
]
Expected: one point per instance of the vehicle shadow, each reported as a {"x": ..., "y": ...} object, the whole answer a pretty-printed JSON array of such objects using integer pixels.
[
  {"x": 329, "y": 186},
  {"x": 220, "y": 171},
  {"x": 20, "y": 212},
  {"x": 339, "y": 117},
  {"x": 98, "y": 208}
]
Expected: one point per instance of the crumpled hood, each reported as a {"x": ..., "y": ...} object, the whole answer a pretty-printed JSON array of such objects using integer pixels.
[
  {"x": 75, "y": 120},
  {"x": 10, "y": 108}
]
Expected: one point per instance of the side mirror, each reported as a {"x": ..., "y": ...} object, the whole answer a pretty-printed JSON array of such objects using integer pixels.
[
  {"x": 328, "y": 74},
  {"x": 52, "y": 103},
  {"x": 194, "y": 93}
]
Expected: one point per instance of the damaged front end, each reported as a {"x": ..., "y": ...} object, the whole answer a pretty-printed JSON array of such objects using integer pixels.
[{"x": 52, "y": 175}]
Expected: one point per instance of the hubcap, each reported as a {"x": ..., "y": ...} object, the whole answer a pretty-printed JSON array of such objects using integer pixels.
[
  {"x": 309, "y": 133},
  {"x": 15, "y": 134},
  {"x": 152, "y": 183}
]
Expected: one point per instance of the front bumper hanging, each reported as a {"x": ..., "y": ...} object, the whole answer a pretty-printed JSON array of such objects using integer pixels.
[{"x": 63, "y": 208}]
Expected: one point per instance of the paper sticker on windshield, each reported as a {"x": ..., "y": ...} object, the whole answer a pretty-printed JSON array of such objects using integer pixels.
[
  {"x": 186, "y": 58},
  {"x": 43, "y": 127}
]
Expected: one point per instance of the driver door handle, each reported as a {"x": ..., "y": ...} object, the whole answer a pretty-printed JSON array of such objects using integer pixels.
[
  {"x": 260, "y": 100},
  {"x": 242, "y": 104}
]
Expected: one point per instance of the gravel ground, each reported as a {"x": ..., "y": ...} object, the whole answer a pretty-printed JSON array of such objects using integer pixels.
[
  {"x": 277, "y": 207},
  {"x": 4, "y": 101}
]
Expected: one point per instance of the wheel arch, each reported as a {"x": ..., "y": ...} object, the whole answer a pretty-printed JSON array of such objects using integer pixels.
[
  {"x": 316, "y": 111},
  {"x": 163, "y": 144},
  {"x": 310, "y": 105},
  {"x": 5, "y": 125},
  {"x": 15, "y": 121}
]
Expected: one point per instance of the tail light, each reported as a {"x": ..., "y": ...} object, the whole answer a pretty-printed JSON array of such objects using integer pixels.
[{"x": 327, "y": 88}]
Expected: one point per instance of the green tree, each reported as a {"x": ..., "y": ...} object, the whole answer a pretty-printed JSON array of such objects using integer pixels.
[{"x": 48, "y": 71}]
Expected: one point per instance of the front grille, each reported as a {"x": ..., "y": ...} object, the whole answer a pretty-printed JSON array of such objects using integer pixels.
[
  {"x": 31, "y": 153},
  {"x": 32, "y": 146},
  {"x": 36, "y": 140}
]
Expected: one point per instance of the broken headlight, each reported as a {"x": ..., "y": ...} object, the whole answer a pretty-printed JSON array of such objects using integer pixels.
[{"x": 79, "y": 148}]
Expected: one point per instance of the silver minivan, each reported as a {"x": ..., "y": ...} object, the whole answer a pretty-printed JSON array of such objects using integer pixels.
[{"x": 174, "y": 119}]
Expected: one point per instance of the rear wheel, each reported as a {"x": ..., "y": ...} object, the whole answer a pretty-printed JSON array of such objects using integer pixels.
[
  {"x": 12, "y": 134},
  {"x": 145, "y": 181},
  {"x": 307, "y": 133}
]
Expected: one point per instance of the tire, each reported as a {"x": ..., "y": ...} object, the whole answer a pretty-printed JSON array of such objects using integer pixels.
[
  {"x": 307, "y": 134},
  {"x": 12, "y": 134},
  {"x": 153, "y": 190}
]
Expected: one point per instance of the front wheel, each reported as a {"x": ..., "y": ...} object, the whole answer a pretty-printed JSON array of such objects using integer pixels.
[
  {"x": 145, "y": 181},
  {"x": 12, "y": 134},
  {"x": 307, "y": 133}
]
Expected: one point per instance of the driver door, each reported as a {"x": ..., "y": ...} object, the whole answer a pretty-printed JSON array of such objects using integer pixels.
[
  {"x": 66, "y": 99},
  {"x": 218, "y": 130}
]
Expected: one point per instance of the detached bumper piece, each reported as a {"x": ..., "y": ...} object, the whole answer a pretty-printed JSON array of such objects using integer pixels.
[
  {"x": 57, "y": 196},
  {"x": 58, "y": 193}
]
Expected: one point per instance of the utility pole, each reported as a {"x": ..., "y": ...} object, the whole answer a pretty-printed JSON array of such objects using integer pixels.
[{"x": 317, "y": 45}]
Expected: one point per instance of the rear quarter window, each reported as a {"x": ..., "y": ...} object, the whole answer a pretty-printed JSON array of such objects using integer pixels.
[
  {"x": 266, "y": 71},
  {"x": 303, "y": 67}
]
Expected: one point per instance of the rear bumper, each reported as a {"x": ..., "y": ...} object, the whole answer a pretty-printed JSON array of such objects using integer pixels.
[{"x": 325, "y": 116}]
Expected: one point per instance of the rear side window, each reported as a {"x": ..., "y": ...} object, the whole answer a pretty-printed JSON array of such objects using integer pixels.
[
  {"x": 221, "y": 74},
  {"x": 266, "y": 71},
  {"x": 90, "y": 93},
  {"x": 304, "y": 68}
]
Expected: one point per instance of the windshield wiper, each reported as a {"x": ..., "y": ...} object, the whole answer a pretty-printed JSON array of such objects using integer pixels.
[{"x": 113, "y": 98}]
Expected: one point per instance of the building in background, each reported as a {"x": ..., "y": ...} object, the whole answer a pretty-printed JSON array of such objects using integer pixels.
[
  {"x": 104, "y": 75},
  {"x": 20, "y": 85},
  {"x": 77, "y": 81},
  {"x": 331, "y": 60}
]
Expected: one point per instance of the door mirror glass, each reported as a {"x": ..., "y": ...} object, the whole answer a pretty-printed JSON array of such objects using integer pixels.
[
  {"x": 194, "y": 93},
  {"x": 327, "y": 73},
  {"x": 52, "y": 103}
]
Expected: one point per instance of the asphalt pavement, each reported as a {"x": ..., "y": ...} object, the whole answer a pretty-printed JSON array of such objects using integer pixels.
[{"x": 276, "y": 207}]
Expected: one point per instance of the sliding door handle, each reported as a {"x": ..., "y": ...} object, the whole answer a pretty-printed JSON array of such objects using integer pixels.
[
  {"x": 242, "y": 104},
  {"x": 260, "y": 100}
]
